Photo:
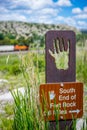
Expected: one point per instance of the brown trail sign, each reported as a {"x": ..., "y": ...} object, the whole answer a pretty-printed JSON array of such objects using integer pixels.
[
  {"x": 63, "y": 98},
  {"x": 61, "y": 68}
]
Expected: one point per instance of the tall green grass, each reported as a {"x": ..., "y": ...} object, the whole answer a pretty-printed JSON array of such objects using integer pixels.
[
  {"x": 81, "y": 65},
  {"x": 27, "y": 111}
]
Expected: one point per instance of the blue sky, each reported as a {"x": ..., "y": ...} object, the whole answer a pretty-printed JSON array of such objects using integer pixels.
[{"x": 70, "y": 12}]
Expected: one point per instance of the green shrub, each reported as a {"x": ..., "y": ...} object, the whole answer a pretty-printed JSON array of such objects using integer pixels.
[
  {"x": 1, "y": 36},
  {"x": 14, "y": 69},
  {"x": 10, "y": 65}
]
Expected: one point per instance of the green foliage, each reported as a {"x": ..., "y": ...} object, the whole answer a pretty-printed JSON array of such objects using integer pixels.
[
  {"x": 41, "y": 62},
  {"x": 80, "y": 39},
  {"x": 13, "y": 42},
  {"x": 10, "y": 36},
  {"x": 42, "y": 41},
  {"x": 2, "y": 42},
  {"x": 6, "y": 120},
  {"x": 9, "y": 109},
  {"x": 27, "y": 112},
  {"x": 9, "y": 65},
  {"x": 6, "y": 124},
  {"x": 81, "y": 36},
  {"x": 81, "y": 67},
  {"x": 37, "y": 39},
  {"x": 23, "y": 41},
  {"x": 10, "y": 39},
  {"x": 82, "y": 72},
  {"x": 6, "y": 40},
  {"x": 1, "y": 36},
  {"x": 15, "y": 70}
]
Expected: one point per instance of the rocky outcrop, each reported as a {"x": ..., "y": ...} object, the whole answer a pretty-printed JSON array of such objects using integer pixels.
[{"x": 26, "y": 29}]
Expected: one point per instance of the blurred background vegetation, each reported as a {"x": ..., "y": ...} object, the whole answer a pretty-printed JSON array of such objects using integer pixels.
[
  {"x": 9, "y": 64},
  {"x": 10, "y": 39}
]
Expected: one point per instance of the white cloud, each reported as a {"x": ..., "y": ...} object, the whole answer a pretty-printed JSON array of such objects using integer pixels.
[
  {"x": 76, "y": 10},
  {"x": 13, "y": 16},
  {"x": 70, "y": 21},
  {"x": 60, "y": 18},
  {"x": 32, "y": 4},
  {"x": 42, "y": 11},
  {"x": 31, "y": 11},
  {"x": 45, "y": 15},
  {"x": 82, "y": 23},
  {"x": 81, "y": 16},
  {"x": 3, "y": 10},
  {"x": 49, "y": 11},
  {"x": 65, "y": 20},
  {"x": 41, "y": 19},
  {"x": 85, "y": 9},
  {"x": 64, "y": 3},
  {"x": 39, "y": 4},
  {"x": 45, "y": 19}
]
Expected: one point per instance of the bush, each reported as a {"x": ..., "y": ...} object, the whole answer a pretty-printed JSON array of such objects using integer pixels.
[
  {"x": 10, "y": 65},
  {"x": 1, "y": 36},
  {"x": 15, "y": 70}
]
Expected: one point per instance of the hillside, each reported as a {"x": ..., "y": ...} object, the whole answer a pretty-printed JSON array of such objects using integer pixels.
[{"x": 27, "y": 29}]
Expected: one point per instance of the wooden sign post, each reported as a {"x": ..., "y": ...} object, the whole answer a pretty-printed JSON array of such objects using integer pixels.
[{"x": 61, "y": 91}]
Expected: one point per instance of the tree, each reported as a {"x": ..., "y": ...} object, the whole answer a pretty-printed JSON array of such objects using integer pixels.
[
  {"x": 6, "y": 41},
  {"x": 10, "y": 36},
  {"x": 1, "y": 36}
]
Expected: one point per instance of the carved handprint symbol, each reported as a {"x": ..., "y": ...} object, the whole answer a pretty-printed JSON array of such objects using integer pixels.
[{"x": 60, "y": 54}]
